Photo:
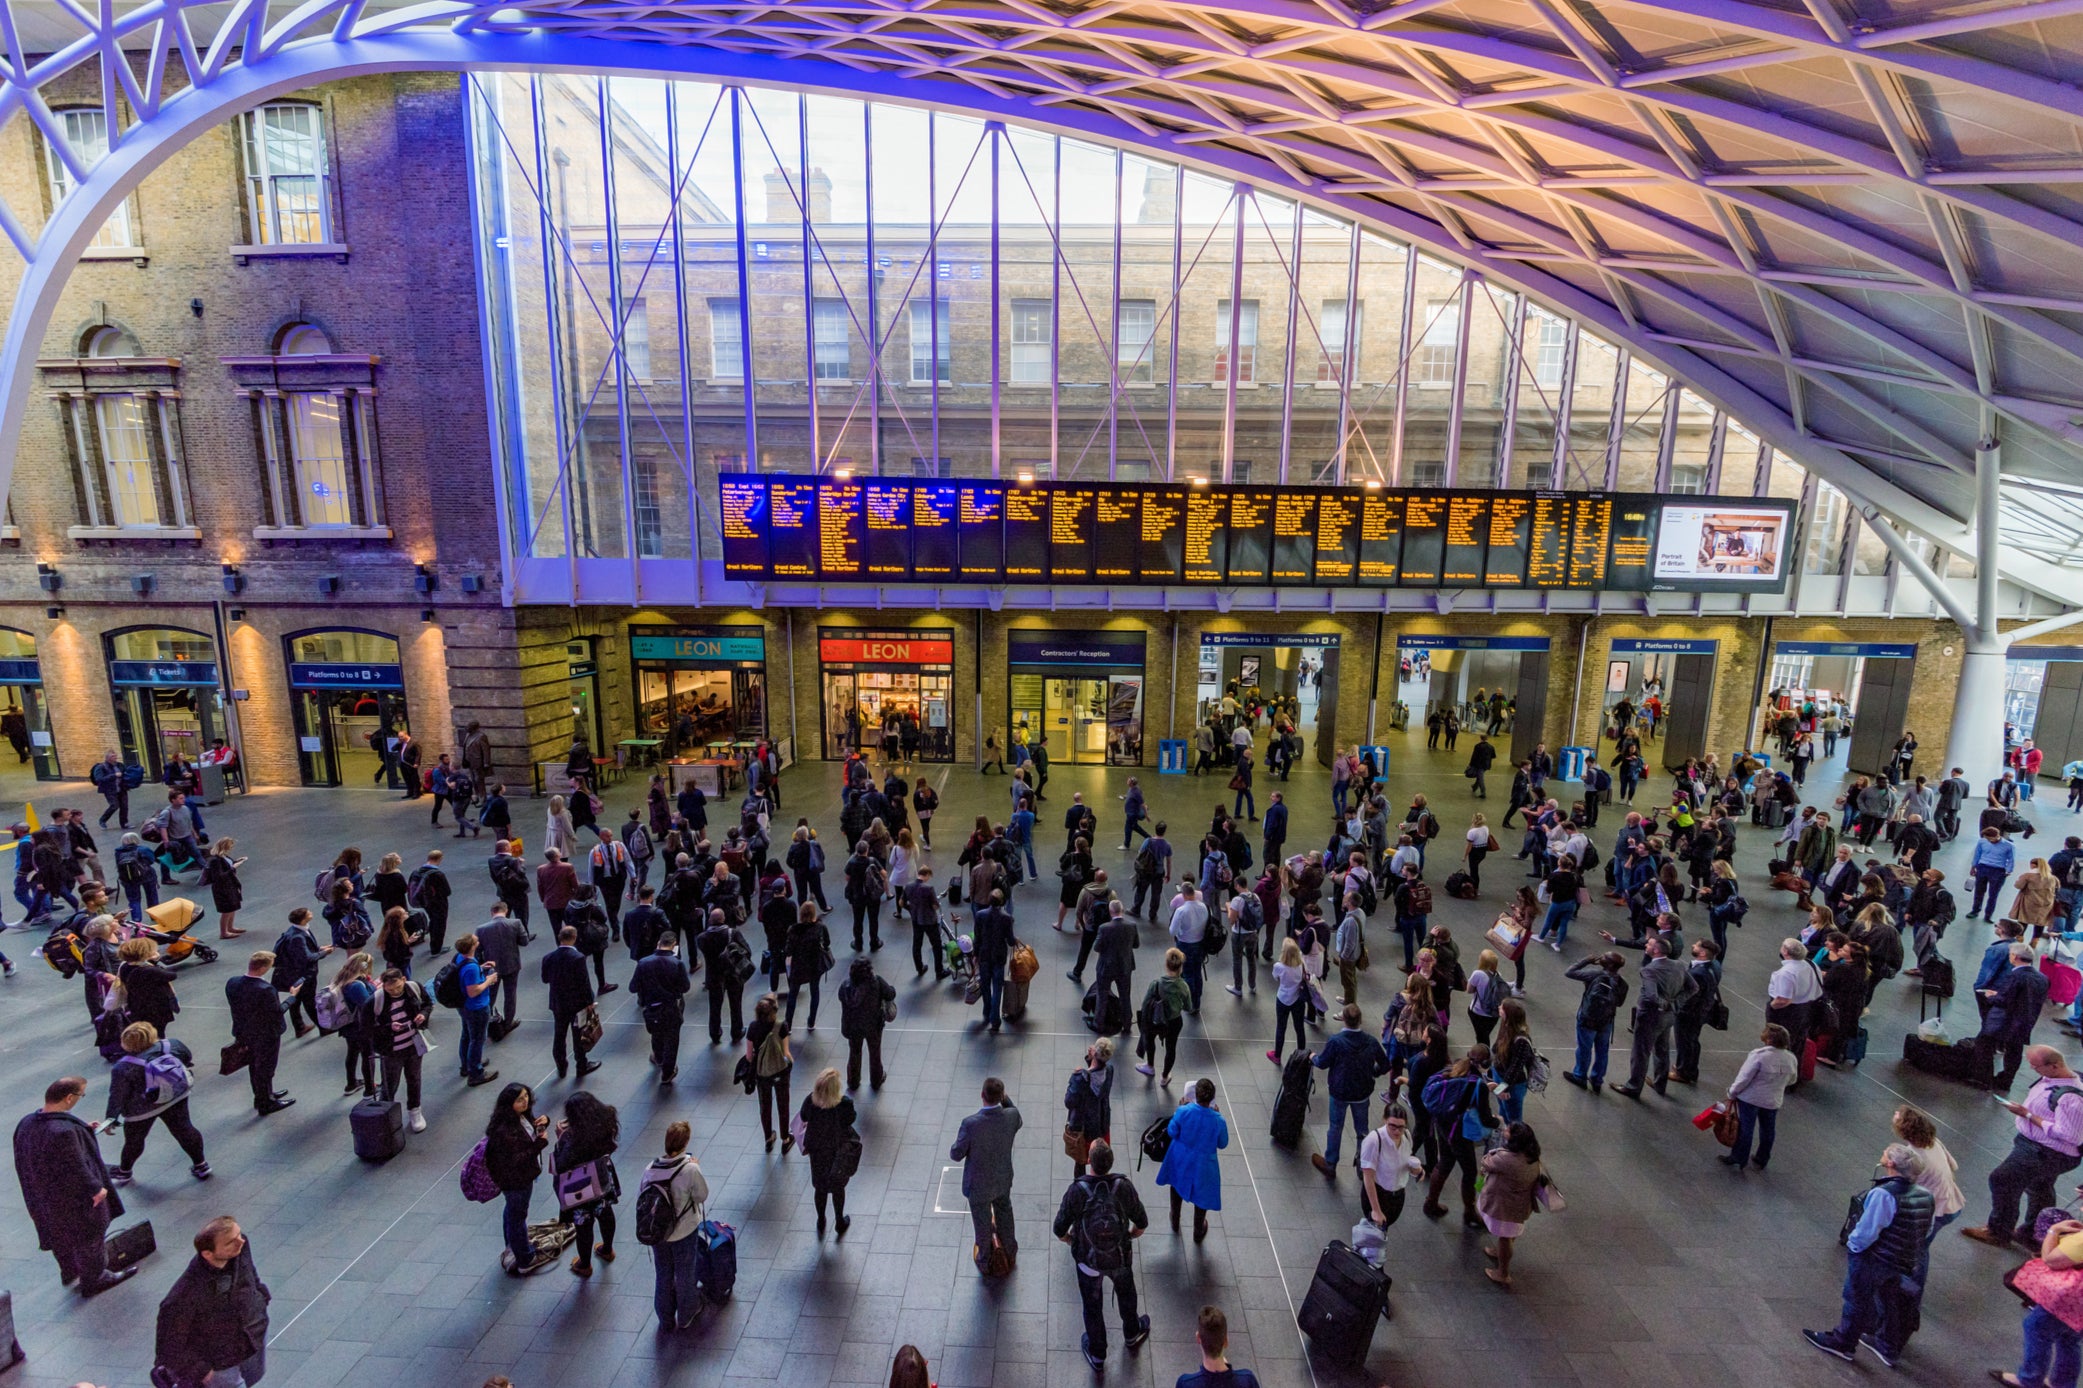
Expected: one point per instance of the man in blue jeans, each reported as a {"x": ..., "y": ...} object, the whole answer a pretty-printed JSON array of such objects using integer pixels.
[
  {"x": 1604, "y": 991},
  {"x": 1355, "y": 1060},
  {"x": 478, "y": 981},
  {"x": 1879, "y": 1295}
]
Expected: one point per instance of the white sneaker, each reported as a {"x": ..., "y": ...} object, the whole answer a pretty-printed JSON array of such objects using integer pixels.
[{"x": 417, "y": 1121}]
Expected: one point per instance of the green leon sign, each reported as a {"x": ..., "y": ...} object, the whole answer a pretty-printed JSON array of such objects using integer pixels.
[{"x": 698, "y": 647}]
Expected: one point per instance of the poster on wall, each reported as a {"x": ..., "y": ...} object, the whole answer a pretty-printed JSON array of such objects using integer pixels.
[
  {"x": 1247, "y": 670},
  {"x": 1722, "y": 545},
  {"x": 1616, "y": 676}
]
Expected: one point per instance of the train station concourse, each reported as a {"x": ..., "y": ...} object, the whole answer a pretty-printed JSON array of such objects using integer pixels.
[{"x": 1485, "y": 599}]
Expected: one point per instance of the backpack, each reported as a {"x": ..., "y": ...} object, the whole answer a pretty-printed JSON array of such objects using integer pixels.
[
  {"x": 1736, "y": 908},
  {"x": 2072, "y": 880},
  {"x": 476, "y": 1177},
  {"x": 1590, "y": 859},
  {"x": 448, "y": 985},
  {"x": 1601, "y": 1003},
  {"x": 655, "y": 1213},
  {"x": 331, "y": 1008},
  {"x": 737, "y": 959},
  {"x": 772, "y": 1058},
  {"x": 1146, "y": 861},
  {"x": 1418, "y": 899},
  {"x": 416, "y": 885},
  {"x": 1220, "y": 861},
  {"x": 1447, "y": 1097},
  {"x": 167, "y": 1078},
  {"x": 1428, "y": 825},
  {"x": 322, "y": 887},
  {"x": 1368, "y": 900},
  {"x": 817, "y": 856},
  {"x": 1102, "y": 1230},
  {"x": 354, "y": 928},
  {"x": 63, "y": 951}
]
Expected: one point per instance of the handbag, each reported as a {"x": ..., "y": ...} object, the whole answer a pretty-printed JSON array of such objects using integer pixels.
[
  {"x": 1492, "y": 845},
  {"x": 1548, "y": 1196},
  {"x": 2058, "y": 1292},
  {"x": 586, "y": 1031},
  {"x": 1237, "y": 782},
  {"x": 234, "y": 1058},
  {"x": 588, "y": 1183},
  {"x": 798, "y": 1129},
  {"x": 1076, "y": 1145}
]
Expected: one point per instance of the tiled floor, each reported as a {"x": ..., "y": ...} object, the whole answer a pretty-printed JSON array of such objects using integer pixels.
[{"x": 1665, "y": 1269}]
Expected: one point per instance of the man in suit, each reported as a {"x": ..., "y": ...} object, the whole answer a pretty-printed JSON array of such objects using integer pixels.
[
  {"x": 66, "y": 1185},
  {"x": 644, "y": 924},
  {"x": 2014, "y": 999},
  {"x": 510, "y": 881},
  {"x": 499, "y": 943},
  {"x": 922, "y": 904},
  {"x": 984, "y": 1145},
  {"x": 661, "y": 986},
  {"x": 1115, "y": 946},
  {"x": 256, "y": 1024},
  {"x": 1839, "y": 880},
  {"x": 719, "y": 980},
  {"x": 991, "y": 932},
  {"x": 1665, "y": 985},
  {"x": 571, "y": 993}
]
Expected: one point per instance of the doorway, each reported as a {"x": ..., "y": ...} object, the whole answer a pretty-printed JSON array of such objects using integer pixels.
[
  {"x": 1292, "y": 678},
  {"x": 347, "y": 696},
  {"x": 1450, "y": 690},
  {"x": 1085, "y": 721},
  {"x": 164, "y": 683},
  {"x": 24, "y": 717}
]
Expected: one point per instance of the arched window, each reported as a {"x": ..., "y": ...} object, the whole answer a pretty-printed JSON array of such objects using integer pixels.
[
  {"x": 86, "y": 132},
  {"x": 287, "y": 185},
  {"x": 122, "y": 425}
]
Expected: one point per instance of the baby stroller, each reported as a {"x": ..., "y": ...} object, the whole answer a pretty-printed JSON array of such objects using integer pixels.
[
  {"x": 170, "y": 922},
  {"x": 961, "y": 958}
]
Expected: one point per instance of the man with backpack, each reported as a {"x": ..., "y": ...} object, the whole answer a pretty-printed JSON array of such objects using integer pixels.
[
  {"x": 510, "y": 883},
  {"x": 726, "y": 965},
  {"x": 1604, "y": 992},
  {"x": 428, "y": 890},
  {"x": 466, "y": 986},
  {"x": 612, "y": 869},
  {"x": 1413, "y": 911},
  {"x": 1101, "y": 1214},
  {"x": 1153, "y": 869},
  {"x": 669, "y": 1203}
]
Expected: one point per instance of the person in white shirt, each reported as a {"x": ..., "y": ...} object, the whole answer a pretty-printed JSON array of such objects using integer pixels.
[
  {"x": 1792, "y": 992},
  {"x": 1406, "y": 852},
  {"x": 1189, "y": 929},
  {"x": 2048, "y": 1144},
  {"x": 1387, "y": 1165},
  {"x": 1241, "y": 739}
]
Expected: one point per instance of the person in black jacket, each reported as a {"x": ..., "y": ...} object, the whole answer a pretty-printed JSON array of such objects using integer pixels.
[
  {"x": 661, "y": 985},
  {"x": 148, "y": 984},
  {"x": 213, "y": 1324},
  {"x": 138, "y": 1103},
  {"x": 1115, "y": 948},
  {"x": 1088, "y": 1098},
  {"x": 499, "y": 946},
  {"x": 585, "y": 914},
  {"x": 67, "y": 1188},
  {"x": 256, "y": 1024},
  {"x": 429, "y": 889},
  {"x": 644, "y": 923},
  {"x": 991, "y": 935},
  {"x": 514, "y": 1139},
  {"x": 723, "y": 977},
  {"x": 1102, "y": 1251},
  {"x": 297, "y": 953},
  {"x": 865, "y": 1002},
  {"x": 1705, "y": 969},
  {"x": 809, "y": 956},
  {"x": 571, "y": 993}
]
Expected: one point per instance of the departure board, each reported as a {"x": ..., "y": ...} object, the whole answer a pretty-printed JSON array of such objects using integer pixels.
[
  {"x": 934, "y": 537},
  {"x": 1251, "y": 536},
  {"x": 981, "y": 529},
  {"x": 1026, "y": 534},
  {"x": 743, "y": 503},
  {"x": 877, "y": 530},
  {"x": 887, "y": 507},
  {"x": 1116, "y": 529},
  {"x": 1294, "y": 537},
  {"x": 1337, "y": 537},
  {"x": 1161, "y": 552}
]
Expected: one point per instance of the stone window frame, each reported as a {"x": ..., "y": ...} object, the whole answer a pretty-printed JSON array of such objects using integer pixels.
[
  {"x": 77, "y": 385},
  {"x": 268, "y": 383}
]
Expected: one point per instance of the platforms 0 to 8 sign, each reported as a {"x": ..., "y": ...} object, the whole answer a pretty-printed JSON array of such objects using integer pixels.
[{"x": 1203, "y": 534}]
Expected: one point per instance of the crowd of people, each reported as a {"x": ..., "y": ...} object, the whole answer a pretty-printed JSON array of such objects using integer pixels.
[{"x": 1434, "y": 1089}]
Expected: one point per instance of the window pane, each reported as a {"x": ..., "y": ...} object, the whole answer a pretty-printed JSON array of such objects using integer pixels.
[
  {"x": 833, "y": 340},
  {"x": 1436, "y": 333},
  {"x": 1028, "y": 278},
  {"x": 709, "y": 266},
  {"x": 126, "y": 445},
  {"x": 1209, "y": 219},
  {"x": 1377, "y": 359},
  {"x": 962, "y": 263},
  {"x": 770, "y": 156},
  {"x": 1321, "y": 319},
  {"x": 1028, "y": 327},
  {"x": 1642, "y": 427},
  {"x": 1482, "y": 396},
  {"x": 837, "y": 187},
  {"x": 285, "y": 171},
  {"x": 1590, "y": 414},
  {"x": 1541, "y": 353},
  {"x": 86, "y": 131},
  {"x": 1149, "y": 319},
  {"x": 1826, "y": 532},
  {"x": 898, "y": 137},
  {"x": 930, "y": 343},
  {"x": 726, "y": 341},
  {"x": 648, "y": 326},
  {"x": 320, "y": 450},
  {"x": 1692, "y": 447}
]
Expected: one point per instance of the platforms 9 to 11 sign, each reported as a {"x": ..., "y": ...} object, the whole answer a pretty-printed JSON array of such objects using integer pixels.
[{"x": 977, "y": 531}]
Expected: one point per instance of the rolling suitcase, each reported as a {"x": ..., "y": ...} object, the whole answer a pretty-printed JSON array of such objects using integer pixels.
[
  {"x": 379, "y": 1129},
  {"x": 1346, "y": 1299},
  {"x": 1012, "y": 1004},
  {"x": 1291, "y": 1107},
  {"x": 1775, "y": 814},
  {"x": 716, "y": 1259}
]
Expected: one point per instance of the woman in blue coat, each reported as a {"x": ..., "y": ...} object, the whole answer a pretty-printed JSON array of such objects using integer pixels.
[{"x": 1191, "y": 1167}]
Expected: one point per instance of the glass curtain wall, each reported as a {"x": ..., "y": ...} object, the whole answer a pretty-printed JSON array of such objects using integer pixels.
[{"x": 687, "y": 278}]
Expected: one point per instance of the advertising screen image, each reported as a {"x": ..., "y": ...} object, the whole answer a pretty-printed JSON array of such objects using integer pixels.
[{"x": 1721, "y": 545}]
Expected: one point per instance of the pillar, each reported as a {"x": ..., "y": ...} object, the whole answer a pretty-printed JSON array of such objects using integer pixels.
[{"x": 1975, "y": 741}]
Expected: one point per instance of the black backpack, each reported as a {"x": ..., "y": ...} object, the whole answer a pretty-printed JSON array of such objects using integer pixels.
[
  {"x": 1102, "y": 1229},
  {"x": 448, "y": 985},
  {"x": 1601, "y": 1003},
  {"x": 1146, "y": 861},
  {"x": 655, "y": 1213}
]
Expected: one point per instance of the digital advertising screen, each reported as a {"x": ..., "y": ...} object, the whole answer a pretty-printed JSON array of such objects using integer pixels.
[{"x": 1707, "y": 544}]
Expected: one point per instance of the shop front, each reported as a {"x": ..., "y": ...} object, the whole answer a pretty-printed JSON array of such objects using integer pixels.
[
  {"x": 1081, "y": 692},
  {"x": 699, "y": 688},
  {"x": 167, "y": 694},
  {"x": 347, "y": 691},
  {"x": 583, "y": 673},
  {"x": 25, "y": 720},
  {"x": 869, "y": 679}
]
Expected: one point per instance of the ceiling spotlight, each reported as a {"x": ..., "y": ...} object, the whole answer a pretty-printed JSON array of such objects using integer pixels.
[
  {"x": 54, "y": 613},
  {"x": 426, "y": 614},
  {"x": 844, "y": 474},
  {"x": 1026, "y": 477}
]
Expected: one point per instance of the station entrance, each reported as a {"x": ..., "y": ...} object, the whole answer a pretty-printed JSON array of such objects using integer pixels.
[
  {"x": 1664, "y": 691},
  {"x": 1452, "y": 689},
  {"x": 1866, "y": 683},
  {"x": 1293, "y": 675}
]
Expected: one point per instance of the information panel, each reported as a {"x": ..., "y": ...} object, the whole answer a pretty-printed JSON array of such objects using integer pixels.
[{"x": 906, "y": 530}]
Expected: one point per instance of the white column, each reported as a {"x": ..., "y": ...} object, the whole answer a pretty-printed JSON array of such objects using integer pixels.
[{"x": 1975, "y": 741}]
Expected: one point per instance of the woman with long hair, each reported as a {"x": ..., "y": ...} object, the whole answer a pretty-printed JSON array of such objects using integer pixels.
[
  {"x": 1511, "y": 1176},
  {"x": 221, "y": 871},
  {"x": 514, "y": 1139},
  {"x": 766, "y": 1051},
  {"x": 388, "y": 887},
  {"x": 356, "y": 992},
  {"x": 1466, "y": 1091},
  {"x": 908, "y": 1369},
  {"x": 827, "y": 1118},
  {"x": 587, "y": 1138},
  {"x": 394, "y": 941},
  {"x": 558, "y": 830},
  {"x": 1515, "y": 1055}
]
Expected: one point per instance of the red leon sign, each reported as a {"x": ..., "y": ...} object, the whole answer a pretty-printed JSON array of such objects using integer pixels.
[{"x": 886, "y": 650}]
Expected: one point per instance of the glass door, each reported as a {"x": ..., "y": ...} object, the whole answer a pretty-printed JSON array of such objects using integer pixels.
[
  {"x": 936, "y": 717},
  {"x": 1090, "y": 708},
  {"x": 25, "y": 723},
  {"x": 154, "y": 722},
  {"x": 1059, "y": 703},
  {"x": 839, "y": 701}
]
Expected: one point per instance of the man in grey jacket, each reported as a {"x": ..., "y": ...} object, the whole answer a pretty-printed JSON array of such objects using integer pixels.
[
  {"x": 499, "y": 942},
  {"x": 1665, "y": 986},
  {"x": 985, "y": 1147}
]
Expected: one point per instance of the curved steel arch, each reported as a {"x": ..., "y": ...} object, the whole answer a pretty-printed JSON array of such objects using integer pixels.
[{"x": 278, "y": 60}]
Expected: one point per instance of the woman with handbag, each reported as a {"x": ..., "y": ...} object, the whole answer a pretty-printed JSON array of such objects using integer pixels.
[
  {"x": 824, "y": 1128},
  {"x": 768, "y": 1060},
  {"x": 1478, "y": 847},
  {"x": 1512, "y": 1177},
  {"x": 2052, "y": 1285},
  {"x": 397, "y": 1024},
  {"x": 809, "y": 958},
  {"x": 583, "y": 1165},
  {"x": 1088, "y": 1104},
  {"x": 1516, "y": 1058}
]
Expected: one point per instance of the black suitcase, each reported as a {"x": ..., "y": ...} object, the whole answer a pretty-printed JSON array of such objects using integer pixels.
[
  {"x": 1775, "y": 814},
  {"x": 1937, "y": 977},
  {"x": 1962, "y": 1061},
  {"x": 1291, "y": 1108},
  {"x": 1347, "y": 1299},
  {"x": 129, "y": 1246},
  {"x": 379, "y": 1129},
  {"x": 1114, "y": 1022}
]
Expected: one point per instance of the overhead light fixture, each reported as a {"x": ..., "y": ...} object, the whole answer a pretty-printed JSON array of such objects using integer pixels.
[
  {"x": 1198, "y": 481},
  {"x": 1373, "y": 484},
  {"x": 237, "y": 614},
  {"x": 48, "y": 578},
  {"x": 426, "y": 614},
  {"x": 1026, "y": 477},
  {"x": 844, "y": 474},
  {"x": 234, "y": 581}
]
